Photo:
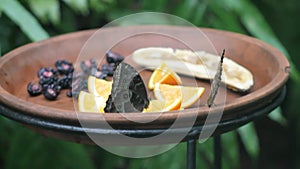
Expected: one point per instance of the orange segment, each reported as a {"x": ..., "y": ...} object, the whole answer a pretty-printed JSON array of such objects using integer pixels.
[
  {"x": 167, "y": 92},
  {"x": 99, "y": 87},
  {"x": 165, "y": 75},
  {"x": 189, "y": 94},
  {"x": 90, "y": 103},
  {"x": 163, "y": 105}
]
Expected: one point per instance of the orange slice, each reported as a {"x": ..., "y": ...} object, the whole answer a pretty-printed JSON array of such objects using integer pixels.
[
  {"x": 189, "y": 94},
  {"x": 88, "y": 102},
  {"x": 163, "y": 105},
  {"x": 99, "y": 87},
  {"x": 164, "y": 75}
]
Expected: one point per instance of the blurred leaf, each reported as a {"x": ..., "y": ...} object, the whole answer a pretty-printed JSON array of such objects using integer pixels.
[
  {"x": 117, "y": 13},
  {"x": 230, "y": 150},
  {"x": 176, "y": 155},
  {"x": 33, "y": 151},
  {"x": 154, "y": 5},
  {"x": 147, "y": 18},
  {"x": 186, "y": 9},
  {"x": 111, "y": 161},
  {"x": 100, "y": 6},
  {"x": 206, "y": 154},
  {"x": 207, "y": 148},
  {"x": 276, "y": 115},
  {"x": 78, "y": 5},
  {"x": 222, "y": 18},
  {"x": 7, "y": 129},
  {"x": 28, "y": 24},
  {"x": 199, "y": 12},
  {"x": 250, "y": 139},
  {"x": 46, "y": 10},
  {"x": 257, "y": 26}
]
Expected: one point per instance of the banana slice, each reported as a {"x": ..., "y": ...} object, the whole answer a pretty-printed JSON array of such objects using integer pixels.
[{"x": 198, "y": 64}]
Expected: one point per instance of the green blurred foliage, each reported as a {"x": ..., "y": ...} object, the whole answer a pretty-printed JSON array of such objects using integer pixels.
[
  {"x": 21, "y": 148},
  {"x": 272, "y": 21}
]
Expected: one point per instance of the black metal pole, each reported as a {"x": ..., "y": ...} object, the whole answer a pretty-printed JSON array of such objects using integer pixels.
[
  {"x": 217, "y": 152},
  {"x": 191, "y": 154}
]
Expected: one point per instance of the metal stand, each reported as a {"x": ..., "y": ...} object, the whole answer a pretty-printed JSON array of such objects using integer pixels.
[
  {"x": 191, "y": 143},
  {"x": 191, "y": 154},
  {"x": 217, "y": 152}
]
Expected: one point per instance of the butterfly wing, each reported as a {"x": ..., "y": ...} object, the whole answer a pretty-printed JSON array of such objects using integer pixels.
[{"x": 128, "y": 91}]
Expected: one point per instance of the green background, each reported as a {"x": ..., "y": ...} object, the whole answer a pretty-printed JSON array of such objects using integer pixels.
[{"x": 270, "y": 143}]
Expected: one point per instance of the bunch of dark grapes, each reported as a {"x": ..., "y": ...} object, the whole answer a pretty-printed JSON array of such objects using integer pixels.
[
  {"x": 90, "y": 67},
  {"x": 52, "y": 81}
]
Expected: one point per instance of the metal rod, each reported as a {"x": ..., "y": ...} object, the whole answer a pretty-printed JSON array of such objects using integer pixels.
[
  {"x": 191, "y": 154},
  {"x": 217, "y": 152}
]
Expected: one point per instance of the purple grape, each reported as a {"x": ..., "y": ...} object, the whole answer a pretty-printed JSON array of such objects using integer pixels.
[
  {"x": 64, "y": 67},
  {"x": 50, "y": 93},
  {"x": 34, "y": 89},
  {"x": 112, "y": 57}
]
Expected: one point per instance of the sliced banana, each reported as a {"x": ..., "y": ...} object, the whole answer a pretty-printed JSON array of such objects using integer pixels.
[{"x": 198, "y": 64}]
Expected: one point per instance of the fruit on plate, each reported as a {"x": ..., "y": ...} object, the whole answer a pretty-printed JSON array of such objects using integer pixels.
[
  {"x": 189, "y": 94},
  {"x": 198, "y": 64},
  {"x": 165, "y": 75},
  {"x": 88, "y": 102},
  {"x": 127, "y": 92},
  {"x": 99, "y": 87},
  {"x": 163, "y": 105}
]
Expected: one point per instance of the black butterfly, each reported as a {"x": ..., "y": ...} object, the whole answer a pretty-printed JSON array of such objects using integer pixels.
[{"x": 128, "y": 91}]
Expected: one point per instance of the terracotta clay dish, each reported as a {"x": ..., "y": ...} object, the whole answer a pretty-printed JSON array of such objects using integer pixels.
[{"x": 59, "y": 119}]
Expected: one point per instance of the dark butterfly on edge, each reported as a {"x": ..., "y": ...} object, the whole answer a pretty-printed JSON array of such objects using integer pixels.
[{"x": 128, "y": 91}]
